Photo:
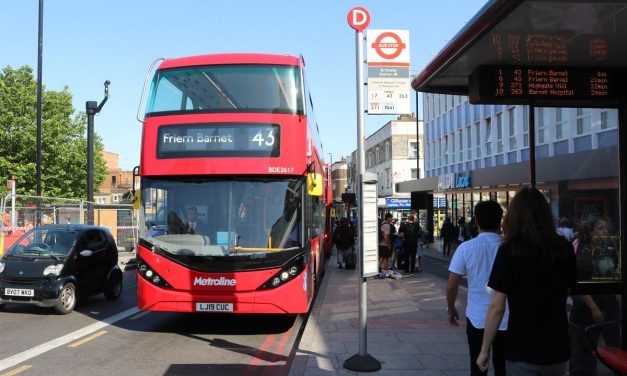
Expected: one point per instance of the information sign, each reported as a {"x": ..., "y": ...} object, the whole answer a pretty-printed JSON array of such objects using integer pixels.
[
  {"x": 370, "y": 243},
  {"x": 388, "y": 72},
  {"x": 556, "y": 86}
]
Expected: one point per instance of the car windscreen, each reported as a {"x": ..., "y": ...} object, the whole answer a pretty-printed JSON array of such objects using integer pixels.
[{"x": 41, "y": 241}]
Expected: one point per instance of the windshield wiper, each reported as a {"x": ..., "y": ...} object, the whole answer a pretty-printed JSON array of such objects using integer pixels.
[{"x": 51, "y": 256}]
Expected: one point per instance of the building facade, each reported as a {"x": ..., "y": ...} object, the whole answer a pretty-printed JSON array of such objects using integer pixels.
[
  {"x": 475, "y": 153},
  {"x": 395, "y": 153}
]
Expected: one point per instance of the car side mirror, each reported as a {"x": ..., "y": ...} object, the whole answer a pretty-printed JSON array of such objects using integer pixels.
[{"x": 86, "y": 253}]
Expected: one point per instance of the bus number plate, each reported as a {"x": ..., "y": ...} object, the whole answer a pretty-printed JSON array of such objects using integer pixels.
[{"x": 214, "y": 307}]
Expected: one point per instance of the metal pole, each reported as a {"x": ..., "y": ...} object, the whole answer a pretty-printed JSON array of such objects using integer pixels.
[
  {"x": 622, "y": 174},
  {"x": 90, "y": 107},
  {"x": 361, "y": 163},
  {"x": 417, "y": 141},
  {"x": 532, "y": 146},
  {"x": 40, "y": 46}
]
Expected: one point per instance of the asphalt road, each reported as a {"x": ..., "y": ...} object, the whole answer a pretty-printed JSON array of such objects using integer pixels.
[{"x": 106, "y": 338}]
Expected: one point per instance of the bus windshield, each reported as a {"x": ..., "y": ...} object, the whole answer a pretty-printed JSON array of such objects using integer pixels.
[
  {"x": 228, "y": 88},
  {"x": 223, "y": 217}
]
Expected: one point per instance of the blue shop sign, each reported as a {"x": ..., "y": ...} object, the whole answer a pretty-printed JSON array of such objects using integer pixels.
[{"x": 398, "y": 203}]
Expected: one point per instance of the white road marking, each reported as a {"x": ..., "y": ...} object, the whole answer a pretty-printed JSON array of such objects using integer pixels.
[{"x": 57, "y": 342}]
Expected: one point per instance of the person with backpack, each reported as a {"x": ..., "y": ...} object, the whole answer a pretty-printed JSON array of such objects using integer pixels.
[
  {"x": 344, "y": 240},
  {"x": 410, "y": 232}
]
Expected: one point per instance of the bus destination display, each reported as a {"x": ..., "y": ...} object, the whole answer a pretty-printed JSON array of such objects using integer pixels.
[
  {"x": 542, "y": 85},
  {"x": 218, "y": 140}
]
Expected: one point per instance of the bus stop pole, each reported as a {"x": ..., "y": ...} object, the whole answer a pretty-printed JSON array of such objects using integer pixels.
[{"x": 361, "y": 362}]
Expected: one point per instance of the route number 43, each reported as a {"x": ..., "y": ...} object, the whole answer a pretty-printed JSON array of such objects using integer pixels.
[{"x": 268, "y": 140}]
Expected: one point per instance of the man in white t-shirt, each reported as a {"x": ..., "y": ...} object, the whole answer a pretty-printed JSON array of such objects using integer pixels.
[{"x": 473, "y": 259}]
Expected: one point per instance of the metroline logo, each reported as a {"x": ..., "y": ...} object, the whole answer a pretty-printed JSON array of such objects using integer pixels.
[{"x": 222, "y": 281}]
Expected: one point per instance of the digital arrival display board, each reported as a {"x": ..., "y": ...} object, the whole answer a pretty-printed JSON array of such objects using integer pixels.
[
  {"x": 547, "y": 86},
  {"x": 218, "y": 140}
]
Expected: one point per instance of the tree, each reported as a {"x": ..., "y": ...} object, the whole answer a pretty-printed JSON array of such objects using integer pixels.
[{"x": 64, "y": 140}]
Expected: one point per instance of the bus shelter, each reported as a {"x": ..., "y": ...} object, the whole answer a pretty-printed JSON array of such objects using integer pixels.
[{"x": 557, "y": 54}]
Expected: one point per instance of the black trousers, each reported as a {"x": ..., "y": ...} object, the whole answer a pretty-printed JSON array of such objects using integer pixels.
[
  {"x": 447, "y": 245},
  {"x": 475, "y": 338},
  {"x": 410, "y": 256}
]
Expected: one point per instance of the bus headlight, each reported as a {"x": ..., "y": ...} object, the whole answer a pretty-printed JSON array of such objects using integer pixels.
[
  {"x": 144, "y": 270},
  {"x": 287, "y": 273}
]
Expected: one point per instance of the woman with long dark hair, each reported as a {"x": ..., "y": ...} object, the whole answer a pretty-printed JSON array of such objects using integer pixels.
[{"x": 534, "y": 270}]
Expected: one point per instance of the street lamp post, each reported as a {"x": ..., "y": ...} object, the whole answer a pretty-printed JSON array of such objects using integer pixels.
[
  {"x": 40, "y": 46},
  {"x": 92, "y": 108}
]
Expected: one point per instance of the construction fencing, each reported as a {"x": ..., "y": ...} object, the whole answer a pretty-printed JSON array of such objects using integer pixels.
[{"x": 20, "y": 213}]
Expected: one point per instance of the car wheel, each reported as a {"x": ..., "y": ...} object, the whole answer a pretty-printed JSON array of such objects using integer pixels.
[
  {"x": 113, "y": 286},
  {"x": 66, "y": 300}
]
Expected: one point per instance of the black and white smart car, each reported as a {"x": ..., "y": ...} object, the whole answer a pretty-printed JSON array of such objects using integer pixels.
[{"x": 51, "y": 265}]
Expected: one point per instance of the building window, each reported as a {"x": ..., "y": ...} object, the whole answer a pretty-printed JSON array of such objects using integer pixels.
[
  {"x": 468, "y": 143},
  {"x": 543, "y": 120},
  {"x": 460, "y": 136},
  {"x": 377, "y": 156},
  {"x": 499, "y": 132},
  {"x": 525, "y": 127},
  {"x": 113, "y": 180},
  {"x": 561, "y": 127},
  {"x": 387, "y": 150},
  {"x": 478, "y": 139},
  {"x": 453, "y": 148},
  {"x": 609, "y": 119},
  {"x": 414, "y": 173},
  {"x": 444, "y": 151},
  {"x": 488, "y": 136},
  {"x": 413, "y": 149},
  {"x": 583, "y": 121},
  {"x": 512, "y": 129}
]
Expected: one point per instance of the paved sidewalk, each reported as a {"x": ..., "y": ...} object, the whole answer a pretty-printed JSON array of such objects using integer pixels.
[{"x": 407, "y": 328}]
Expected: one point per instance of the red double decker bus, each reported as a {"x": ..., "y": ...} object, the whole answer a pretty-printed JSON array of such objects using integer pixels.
[{"x": 234, "y": 188}]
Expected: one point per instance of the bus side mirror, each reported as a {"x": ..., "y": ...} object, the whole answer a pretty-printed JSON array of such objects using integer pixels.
[{"x": 314, "y": 184}]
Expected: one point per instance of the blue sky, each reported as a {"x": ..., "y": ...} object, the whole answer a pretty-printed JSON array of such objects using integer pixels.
[{"x": 88, "y": 42}]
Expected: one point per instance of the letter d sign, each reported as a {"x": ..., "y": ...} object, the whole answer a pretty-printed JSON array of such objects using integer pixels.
[{"x": 358, "y": 18}]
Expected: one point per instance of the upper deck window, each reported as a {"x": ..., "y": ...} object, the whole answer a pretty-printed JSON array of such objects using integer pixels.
[{"x": 226, "y": 88}]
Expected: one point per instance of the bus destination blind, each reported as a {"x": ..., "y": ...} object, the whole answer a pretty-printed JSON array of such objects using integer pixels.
[{"x": 218, "y": 140}]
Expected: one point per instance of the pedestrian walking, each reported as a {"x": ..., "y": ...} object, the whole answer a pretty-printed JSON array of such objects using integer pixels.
[
  {"x": 386, "y": 231},
  {"x": 473, "y": 259},
  {"x": 447, "y": 236},
  {"x": 533, "y": 271},
  {"x": 344, "y": 241},
  {"x": 410, "y": 232}
]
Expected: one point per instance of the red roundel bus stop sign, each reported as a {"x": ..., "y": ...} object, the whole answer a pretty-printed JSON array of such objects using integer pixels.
[{"x": 358, "y": 18}]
